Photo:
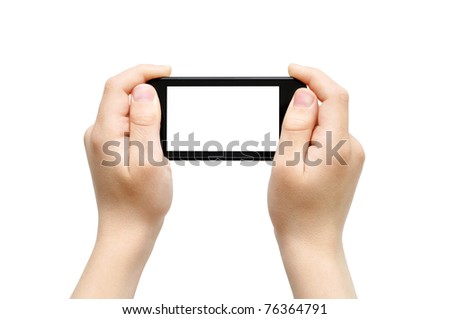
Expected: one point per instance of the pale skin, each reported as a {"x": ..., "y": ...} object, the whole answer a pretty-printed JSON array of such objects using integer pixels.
[
  {"x": 132, "y": 200},
  {"x": 308, "y": 205}
]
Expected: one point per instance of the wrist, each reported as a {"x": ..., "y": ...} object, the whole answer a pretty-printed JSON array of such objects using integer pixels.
[
  {"x": 310, "y": 238},
  {"x": 304, "y": 249},
  {"x": 317, "y": 269},
  {"x": 136, "y": 239},
  {"x": 116, "y": 263}
]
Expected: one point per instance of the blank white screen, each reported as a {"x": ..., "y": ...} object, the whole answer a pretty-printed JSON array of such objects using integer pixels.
[{"x": 223, "y": 114}]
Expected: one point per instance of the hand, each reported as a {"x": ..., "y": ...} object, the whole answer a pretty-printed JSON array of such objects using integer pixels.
[
  {"x": 316, "y": 169},
  {"x": 132, "y": 182}
]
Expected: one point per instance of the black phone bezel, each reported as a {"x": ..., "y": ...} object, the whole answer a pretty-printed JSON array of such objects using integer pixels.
[{"x": 287, "y": 87}]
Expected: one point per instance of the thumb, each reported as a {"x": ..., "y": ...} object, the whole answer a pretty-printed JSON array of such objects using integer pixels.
[
  {"x": 145, "y": 120},
  {"x": 298, "y": 125}
]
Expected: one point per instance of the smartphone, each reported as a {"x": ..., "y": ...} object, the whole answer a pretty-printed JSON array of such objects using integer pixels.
[{"x": 222, "y": 118}]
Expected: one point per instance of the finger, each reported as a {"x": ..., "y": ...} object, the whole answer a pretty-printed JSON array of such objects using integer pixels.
[
  {"x": 298, "y": 124},
  {"x": 333, "y": 112},
  {"x": 114, "y": 107},
  {"x": 320, "y": 83},
  {"x": 145, "y": 119}
]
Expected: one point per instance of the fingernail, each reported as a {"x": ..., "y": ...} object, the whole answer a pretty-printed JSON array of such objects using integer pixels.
[
  {"x": 143, "y": 92},
  {"x": 303, "y": 99}
]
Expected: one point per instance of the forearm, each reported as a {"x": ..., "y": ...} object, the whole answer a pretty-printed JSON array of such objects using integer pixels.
[
  {"x": 317, "y": 271},
  {"x": 115, "y": 266}
]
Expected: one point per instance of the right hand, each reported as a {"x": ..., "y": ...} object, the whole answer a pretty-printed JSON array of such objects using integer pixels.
[{"x": 310, "y": 194}]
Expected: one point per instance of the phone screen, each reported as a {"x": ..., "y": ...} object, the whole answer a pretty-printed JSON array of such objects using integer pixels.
[{"x": 222, "y": 118}]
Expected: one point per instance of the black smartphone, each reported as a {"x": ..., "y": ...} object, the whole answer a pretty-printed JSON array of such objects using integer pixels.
[{"x": 222, "y": 118}]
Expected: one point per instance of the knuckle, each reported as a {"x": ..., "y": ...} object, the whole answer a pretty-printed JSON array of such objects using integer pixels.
[
  {"x": 96, "y": 139},
  {"x": 342, "y": 95},
  {"x": 139, "y": 66},
  {"x": 358, "y": 151},
  {"x": 87, "y": 136},
  {"x": 296, "y": 124},
  {"x": 110, "y": 84},
  {"x": 345, "y": 152},
  {"x": 143, "y": 66},
  {"x": 147, "y": 119}
]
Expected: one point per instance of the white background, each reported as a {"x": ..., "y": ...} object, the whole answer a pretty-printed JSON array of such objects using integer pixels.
[
  {"x": 217, "y": 242},
  {"x": 222, "y": 115}
]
